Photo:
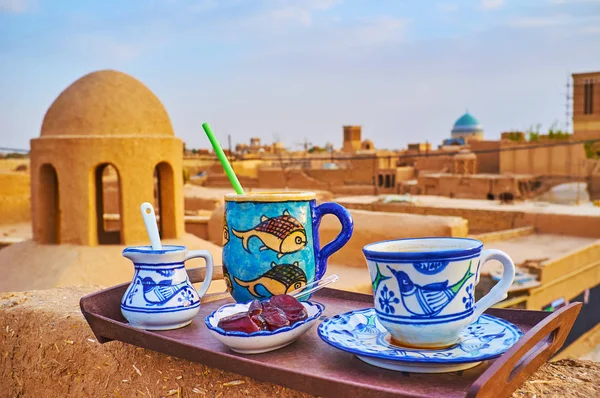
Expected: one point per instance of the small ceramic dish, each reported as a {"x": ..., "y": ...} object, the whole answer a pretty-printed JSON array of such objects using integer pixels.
[{"x": 263, "y": 341}]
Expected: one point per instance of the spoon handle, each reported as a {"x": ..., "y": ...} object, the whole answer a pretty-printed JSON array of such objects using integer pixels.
[
  {"x": 151, "y": 226},
  {"x": 314, "y": 286}
]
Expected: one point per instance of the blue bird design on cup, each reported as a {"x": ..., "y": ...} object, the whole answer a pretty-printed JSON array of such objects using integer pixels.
[{"x": 427, "y": 300}]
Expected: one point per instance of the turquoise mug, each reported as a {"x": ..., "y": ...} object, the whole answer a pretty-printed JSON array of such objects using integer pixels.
[{"x": 271, "y": 242}]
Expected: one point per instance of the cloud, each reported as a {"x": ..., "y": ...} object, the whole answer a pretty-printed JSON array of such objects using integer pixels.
[
  {"x": 491, "y": 4},
  {"x": 277, "y": 15},
  {"x": 203, "y": 5},
  {"x": 381, "y": 30},
  {"x": 538, "y": 22},
  {"x": 111, "y": 49},
  {"x": 291, "y": 14},
  {"x": 591, "y": 30},
  {"x": 565, "y": 2},
  {"x": 322, "y": 5},
  {"x": 446, "y": 7},
  {"x": 15, "y": 6}
]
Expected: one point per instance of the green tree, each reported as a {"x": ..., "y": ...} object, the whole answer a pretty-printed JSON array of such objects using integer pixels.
[
  {"x": 592, "y": 149},
  {"x": 533, "y": 133}
]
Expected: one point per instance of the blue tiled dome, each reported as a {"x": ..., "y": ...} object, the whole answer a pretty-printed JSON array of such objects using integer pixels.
[{"x": 467, "y": 124}]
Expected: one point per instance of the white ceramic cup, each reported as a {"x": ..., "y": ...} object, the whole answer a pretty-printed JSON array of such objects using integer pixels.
[{"x": 423, "y": 288}]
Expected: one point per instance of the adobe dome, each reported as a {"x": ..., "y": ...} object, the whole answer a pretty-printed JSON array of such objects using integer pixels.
[
  {"x": 367, "y": 145},
  {"x": 106, "y": 102}
]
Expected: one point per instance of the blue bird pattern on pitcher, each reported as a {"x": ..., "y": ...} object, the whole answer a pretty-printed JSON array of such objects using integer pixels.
[
  {"x": 159, "y": 294},
  {"x": 486, "y": 338}
]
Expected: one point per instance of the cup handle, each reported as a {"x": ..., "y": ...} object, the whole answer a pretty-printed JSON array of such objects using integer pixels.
[
  {"x": 205, "y": 254},
  {"x": 343, "y": 237},
  {"x": 500, "y": 291}
]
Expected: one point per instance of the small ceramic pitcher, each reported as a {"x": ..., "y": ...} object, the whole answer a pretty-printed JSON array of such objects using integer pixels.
[{"x": 161, "y": 297}]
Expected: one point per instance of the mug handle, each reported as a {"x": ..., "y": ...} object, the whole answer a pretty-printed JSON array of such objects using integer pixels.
[
  {"x": 500, "y": 291},
  {"x": 343, "y": 237},
  {"x": 205, "y": 254}
]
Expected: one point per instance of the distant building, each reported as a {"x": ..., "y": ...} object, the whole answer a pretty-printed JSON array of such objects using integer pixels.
[
  {"x": 466, "y": 129},
  {"x": 586, "y": 106},
  {"x": 465, "y": 162},
  {"x": 420, "y": 147},
  {"x": 352, "y": 139}
]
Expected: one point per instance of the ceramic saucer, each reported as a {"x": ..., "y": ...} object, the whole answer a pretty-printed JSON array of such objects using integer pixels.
[{"x": 360, "y": 333}]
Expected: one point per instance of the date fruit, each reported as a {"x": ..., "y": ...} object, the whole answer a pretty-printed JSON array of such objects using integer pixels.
[
  {"x": 275, "y": 318},
  {"x": 293, "y": 309},
  {"x": 240, "y": 322},
  {"x": 273, "y": 314}
]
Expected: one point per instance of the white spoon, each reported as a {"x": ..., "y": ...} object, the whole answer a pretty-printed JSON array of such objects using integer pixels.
[{"x": 151, "y": 226}]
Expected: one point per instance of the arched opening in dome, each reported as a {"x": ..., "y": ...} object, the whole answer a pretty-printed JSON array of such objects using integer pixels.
[
  {"x": 164, "y": 200},
  {"x": 108, "y": 204},
  {"x": 48, "y": 205}
]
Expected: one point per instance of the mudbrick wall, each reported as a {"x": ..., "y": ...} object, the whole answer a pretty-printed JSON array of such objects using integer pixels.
[
  {"x": 15, "y": 203},
  {"x": 48, "y": 350},
  {"x": 481, "y": 221}
]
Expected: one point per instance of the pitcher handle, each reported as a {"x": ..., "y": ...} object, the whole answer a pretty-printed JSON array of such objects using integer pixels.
[
  {"x": 343, "y": 237},
  {"x": 500, "y": 291},
  {"x": 205, "y": 254}
]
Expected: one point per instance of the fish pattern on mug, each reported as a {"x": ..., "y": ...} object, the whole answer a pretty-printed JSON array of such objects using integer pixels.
[
  {"x": 227, "y": 279},
  {"x": 280, "y": 279},
  {"x": 281, "y": 259},
  {"x": 283, "y": 234},
  {"x": 225, "y": 230}
]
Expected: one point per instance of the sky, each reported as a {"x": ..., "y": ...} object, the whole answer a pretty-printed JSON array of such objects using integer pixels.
[{"x": 299, "y": 70}]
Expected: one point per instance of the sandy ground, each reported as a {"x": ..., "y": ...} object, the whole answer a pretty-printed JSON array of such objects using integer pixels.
[
  {"x": 445, "y": 202},
  {"x": 20, "y": 231},
  {"x": 48, "y": 266}
]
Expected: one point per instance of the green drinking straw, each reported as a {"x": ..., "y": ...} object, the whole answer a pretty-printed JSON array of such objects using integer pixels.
[{"x": 223, "y": 159}]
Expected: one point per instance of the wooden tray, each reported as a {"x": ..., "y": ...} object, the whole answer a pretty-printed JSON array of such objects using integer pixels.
[{"x": 313, "y": 366}]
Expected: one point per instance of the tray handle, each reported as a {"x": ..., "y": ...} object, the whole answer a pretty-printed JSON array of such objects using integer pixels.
[
  {"x": 510, "y": 370},
  {"x": 197, "y": 274}
]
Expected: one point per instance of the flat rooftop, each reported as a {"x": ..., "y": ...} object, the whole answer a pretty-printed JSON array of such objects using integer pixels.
[
  {"x": 536, "y": 247},
  {"x": 482, "y": 176},
  {"x": 586, "y": 209}
]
